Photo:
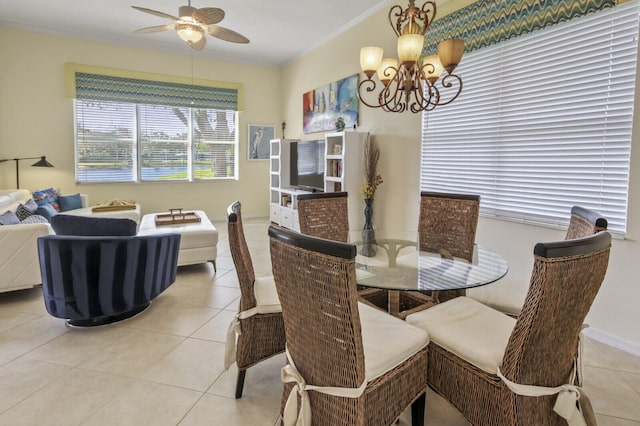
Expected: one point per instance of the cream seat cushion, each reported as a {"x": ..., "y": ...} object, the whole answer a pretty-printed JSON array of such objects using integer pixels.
[
  {"x": 472, "y": 331},
  {"x": 387, "y": 341},
  {"x": 505, "y": 295},
  {"x": 267, "y": 302}
]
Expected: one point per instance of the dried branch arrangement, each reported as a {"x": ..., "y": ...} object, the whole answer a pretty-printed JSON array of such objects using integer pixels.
[{"x": 371, "y": 157}]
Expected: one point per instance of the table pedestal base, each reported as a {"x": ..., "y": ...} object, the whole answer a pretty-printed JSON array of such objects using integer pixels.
[{"x": 397, "y": 303}]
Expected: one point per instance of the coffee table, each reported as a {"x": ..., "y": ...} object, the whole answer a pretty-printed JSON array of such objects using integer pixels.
[{"x": 198, "y": 241}]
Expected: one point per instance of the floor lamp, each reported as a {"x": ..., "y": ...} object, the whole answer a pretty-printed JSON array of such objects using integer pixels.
[{"x": 40, "y": 163}]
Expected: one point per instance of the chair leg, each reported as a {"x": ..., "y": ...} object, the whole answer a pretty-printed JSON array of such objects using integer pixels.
[
  {"x": 417, "y": 410},
  {"x": 240, "y": 383}
]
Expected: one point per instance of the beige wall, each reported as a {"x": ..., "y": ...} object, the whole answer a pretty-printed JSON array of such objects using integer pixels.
[
  {"x": 614, "y": 316},
  {"x": 36, "y": 119}
]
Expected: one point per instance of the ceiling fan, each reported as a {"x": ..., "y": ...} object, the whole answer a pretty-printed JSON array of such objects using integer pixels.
[{"x": 193, "y": 24}]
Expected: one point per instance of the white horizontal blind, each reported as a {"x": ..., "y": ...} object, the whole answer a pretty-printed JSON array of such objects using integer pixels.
[
  {"x": 105, "y": 141},
  {"x": 215, "y": 148},
  {"x": 164, "y": 142},
  {"x": 543, "y": 122}
]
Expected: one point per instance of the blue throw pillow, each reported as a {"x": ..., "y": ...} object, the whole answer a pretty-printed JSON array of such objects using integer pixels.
[
  {"x": 66, "y": 224},
  {"x": 47, "y": 211},
  {"x": 69, "y": 202},
  {"x": 9, "y": 218}
]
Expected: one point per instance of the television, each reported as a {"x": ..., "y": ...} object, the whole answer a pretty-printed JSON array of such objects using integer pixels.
[{"x": 307, "y": 165}]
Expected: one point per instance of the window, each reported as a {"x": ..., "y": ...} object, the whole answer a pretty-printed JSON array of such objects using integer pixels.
[
  {"x": 543, "y": 123},
  {"x": 138, "y": 131}
]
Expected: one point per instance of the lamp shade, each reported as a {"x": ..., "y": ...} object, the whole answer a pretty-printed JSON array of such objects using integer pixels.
[
  {"x": 42, "y": 162},
  {"x": 370, "y": 58},
  {"x": 410, "y": 48},
  {"x": 432, "y": 68},
  {"x": 387, "y": 70},
  {"x": 450, "y": 53}
]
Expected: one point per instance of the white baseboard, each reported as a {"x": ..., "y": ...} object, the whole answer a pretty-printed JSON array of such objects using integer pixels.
[{"x": 612, "y": 340}]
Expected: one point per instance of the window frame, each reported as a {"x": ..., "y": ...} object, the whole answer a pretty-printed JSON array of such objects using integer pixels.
[{"x": 137, "y": 149}]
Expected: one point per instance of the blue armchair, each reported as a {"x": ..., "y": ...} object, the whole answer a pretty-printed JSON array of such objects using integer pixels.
[{"x": 96, "y": 280}]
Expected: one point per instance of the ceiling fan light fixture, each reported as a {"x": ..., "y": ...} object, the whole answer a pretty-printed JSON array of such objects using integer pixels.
[{"x": 190, "y": 33}]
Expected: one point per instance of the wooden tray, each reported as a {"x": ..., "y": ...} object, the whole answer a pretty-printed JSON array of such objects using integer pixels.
[
  {"x": 112, "y": 208},
  {"x": 176, "y": 218}
]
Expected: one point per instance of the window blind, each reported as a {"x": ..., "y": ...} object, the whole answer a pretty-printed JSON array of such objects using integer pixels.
[{"x": 543, "y": 123}]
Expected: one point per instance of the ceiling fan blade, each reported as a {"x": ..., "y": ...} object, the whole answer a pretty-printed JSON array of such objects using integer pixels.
[
  {"x": 200, "y": 44},
  {"x": 208, "y": 15},
  {"x": 155, "y": 12},
  {"x": 155, "y": 29},
  {"x": 226, "y": 34}
]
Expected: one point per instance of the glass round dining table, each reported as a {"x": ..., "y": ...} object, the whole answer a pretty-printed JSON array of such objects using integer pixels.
[{"x": 394, "y": 272}]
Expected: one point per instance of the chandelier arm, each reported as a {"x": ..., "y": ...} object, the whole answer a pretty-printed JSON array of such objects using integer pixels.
[
  {"x": 393, "y": 92},
  {"x": 432, "y": 101},
  {"x": 427, "y": 14},
  {"x": 369, "y": 86},
  {"x": 447, "y": 84},
  {"x": 400, "y": 17},
  {"x": 419, "y": 96}
]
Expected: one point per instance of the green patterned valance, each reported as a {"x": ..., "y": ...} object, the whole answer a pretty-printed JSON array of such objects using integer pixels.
[
  {"x": 129, "y": 90},
  {"x": 121, "y": 85},
  {"x": 488, "y": 22}
]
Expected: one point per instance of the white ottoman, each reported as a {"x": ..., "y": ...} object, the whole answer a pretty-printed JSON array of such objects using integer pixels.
[{"x": 198, "y": 241}]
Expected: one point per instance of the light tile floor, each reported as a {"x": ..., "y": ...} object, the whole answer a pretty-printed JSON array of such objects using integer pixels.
[{"x": 164, "y": 367}]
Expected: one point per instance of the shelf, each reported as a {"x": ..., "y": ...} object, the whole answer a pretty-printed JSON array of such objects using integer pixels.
[
  {"x": 335, "y": 157},
  {"x": 333, "y": 179}
]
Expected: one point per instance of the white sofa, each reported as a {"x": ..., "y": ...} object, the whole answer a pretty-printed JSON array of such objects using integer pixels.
[{"x": 19, "y": 265}]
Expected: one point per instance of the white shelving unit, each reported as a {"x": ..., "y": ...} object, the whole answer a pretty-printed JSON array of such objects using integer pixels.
[{"x": 344, "y": 171}]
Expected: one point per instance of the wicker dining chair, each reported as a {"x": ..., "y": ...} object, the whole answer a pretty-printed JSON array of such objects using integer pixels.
[
  {"x": 324, "y": 215},
  {"x": 448, "y": 222},
  {"x": 347, "y": 363},
  {"x": 474, "y": 349},
  {"x": 258, "y": 326},
  {"x": 584, "y": 222},
  {"x": 508, "y": 295}
]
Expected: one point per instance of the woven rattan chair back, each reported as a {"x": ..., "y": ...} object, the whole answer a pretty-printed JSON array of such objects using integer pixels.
[
  {"x": 584, "y": 222},
  {"x": 320, "y": 311},
  {"x": 316, "y": 284},
  {"x": 262, "y": 334},
  {"x": 449, "y": 222},
  {"x": 543, "y": 343},
  {"x": 241, "y": 256},
  {"x": 324, "y": 215}
]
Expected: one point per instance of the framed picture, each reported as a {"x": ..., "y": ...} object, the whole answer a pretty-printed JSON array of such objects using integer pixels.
[{"x": 258, "y": 144}]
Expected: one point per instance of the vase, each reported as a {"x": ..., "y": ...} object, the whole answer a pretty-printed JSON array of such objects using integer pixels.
[{"x": 368, "y": 233}]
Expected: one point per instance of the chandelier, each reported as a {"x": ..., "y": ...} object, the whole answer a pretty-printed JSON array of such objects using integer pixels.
[{"x": 411, "y": 82}]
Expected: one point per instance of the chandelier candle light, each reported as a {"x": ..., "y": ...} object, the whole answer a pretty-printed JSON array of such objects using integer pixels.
[{"x": 412, "y": 81}]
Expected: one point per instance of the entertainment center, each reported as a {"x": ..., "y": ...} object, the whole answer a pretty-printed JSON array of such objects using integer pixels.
[{"x": 332, "y": 164}]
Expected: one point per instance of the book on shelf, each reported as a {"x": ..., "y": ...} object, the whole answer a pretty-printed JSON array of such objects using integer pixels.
[
  {"x": 335, "y": 168},
  {"x": 337, "y": 186}
]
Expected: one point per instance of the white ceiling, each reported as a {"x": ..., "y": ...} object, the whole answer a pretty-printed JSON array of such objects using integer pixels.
[{"x": 279, "y": 30}]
